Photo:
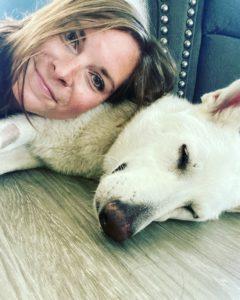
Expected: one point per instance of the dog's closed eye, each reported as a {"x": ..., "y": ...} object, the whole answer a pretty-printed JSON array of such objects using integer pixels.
[
  {"x": 183, "y": 158},
  {"x": 120, "y": 168}
]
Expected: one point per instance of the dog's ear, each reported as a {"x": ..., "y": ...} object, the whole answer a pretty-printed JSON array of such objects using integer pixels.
[{"x": 223, "y": 105}]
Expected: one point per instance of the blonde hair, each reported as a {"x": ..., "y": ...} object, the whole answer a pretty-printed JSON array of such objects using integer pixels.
[{"x": 155, "y": 72}]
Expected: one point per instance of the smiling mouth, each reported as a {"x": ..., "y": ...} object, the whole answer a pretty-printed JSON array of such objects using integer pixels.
[{"x": 44, "y": 85}]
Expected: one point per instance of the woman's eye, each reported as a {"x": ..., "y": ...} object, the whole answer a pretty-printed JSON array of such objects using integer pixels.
[
  {"x": 98, "y": 82},
  {"x": 72, "y": 39}
]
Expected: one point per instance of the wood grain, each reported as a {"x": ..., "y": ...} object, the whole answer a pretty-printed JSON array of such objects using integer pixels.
[{"x": 51, "y": 247}]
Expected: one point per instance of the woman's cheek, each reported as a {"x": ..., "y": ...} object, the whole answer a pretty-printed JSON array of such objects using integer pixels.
[{"x": 85, "y": 104}]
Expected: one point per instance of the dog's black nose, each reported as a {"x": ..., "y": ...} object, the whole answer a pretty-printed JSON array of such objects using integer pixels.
[{"x": 117, "y": 219}]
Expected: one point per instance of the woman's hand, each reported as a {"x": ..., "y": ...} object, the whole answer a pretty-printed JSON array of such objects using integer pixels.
[{"x": 15, "y": 135}]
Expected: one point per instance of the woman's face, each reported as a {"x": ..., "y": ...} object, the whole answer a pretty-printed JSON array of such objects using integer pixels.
[{"x": 65, "y": 80}]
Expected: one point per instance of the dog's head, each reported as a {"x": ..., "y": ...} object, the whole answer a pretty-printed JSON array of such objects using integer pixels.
[{"x": 173, "y": 160}]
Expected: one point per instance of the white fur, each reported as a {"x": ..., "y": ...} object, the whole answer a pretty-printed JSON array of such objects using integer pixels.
[{"x": 149, "y": 145}]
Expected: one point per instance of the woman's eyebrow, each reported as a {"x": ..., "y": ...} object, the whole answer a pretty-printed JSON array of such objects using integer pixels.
[{"x": 82, "y": 35}]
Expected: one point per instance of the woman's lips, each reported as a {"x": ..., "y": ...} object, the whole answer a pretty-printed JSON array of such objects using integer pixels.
[{"x": 44, "y": 86}]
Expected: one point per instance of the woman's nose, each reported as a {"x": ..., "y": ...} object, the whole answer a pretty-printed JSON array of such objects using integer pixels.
[{"x": 65, "y": 71}]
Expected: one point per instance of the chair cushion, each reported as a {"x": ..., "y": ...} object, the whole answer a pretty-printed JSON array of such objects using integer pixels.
[{"x": 219, "y": 62}]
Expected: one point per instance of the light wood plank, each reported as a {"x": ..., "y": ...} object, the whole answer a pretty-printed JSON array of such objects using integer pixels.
[{"x": 51, "y": 247}]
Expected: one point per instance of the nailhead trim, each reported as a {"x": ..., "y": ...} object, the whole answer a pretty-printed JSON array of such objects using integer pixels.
[
  {"x": 187, "y": 44},
  {"x": 164, "y": 41},
  {"x": 184, "y": 64},
  {"x": 183, "y": 74},
  {"x": 164, "y": 19},
  {"x": 164, "y": 23},
  {"x": 164, "y": 8}
]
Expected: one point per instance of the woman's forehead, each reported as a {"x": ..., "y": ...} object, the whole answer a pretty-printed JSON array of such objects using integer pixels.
[{"x": 117, "y": 51}]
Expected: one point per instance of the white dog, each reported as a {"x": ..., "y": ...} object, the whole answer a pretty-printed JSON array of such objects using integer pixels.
[{"x": 172, "y": 160}]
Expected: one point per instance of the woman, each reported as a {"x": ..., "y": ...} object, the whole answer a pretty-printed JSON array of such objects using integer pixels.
[{"x": 70, "y": 56}]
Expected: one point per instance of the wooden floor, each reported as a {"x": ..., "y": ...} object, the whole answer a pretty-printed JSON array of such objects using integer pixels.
[{"x": 51, "y": 247}]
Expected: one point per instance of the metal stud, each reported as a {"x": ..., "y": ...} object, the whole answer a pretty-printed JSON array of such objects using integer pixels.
[
  {"x": 192, "y": 2},
  {"x": 184, "y": 64},
  {"x": 186, "y": 54},
  {"x": 183, "y": 74},
  {"x": 190, "y": 23},
  {"x": 164, "y": 30},
  {"x": 164, "y": 19},
  {"x": 164, "y": 41},
  {"x": 180, "y": 93},
  {"x": 181, "y": 84},
  {"x": 187, "y": 44},
  {"x": 164, "y": 8},
  {"x": 191, "y": 12},
  {"x": 188, "y": 33}
]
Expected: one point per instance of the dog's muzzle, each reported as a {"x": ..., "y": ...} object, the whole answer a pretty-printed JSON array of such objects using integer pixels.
[{"x": 118, "y": 219}]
